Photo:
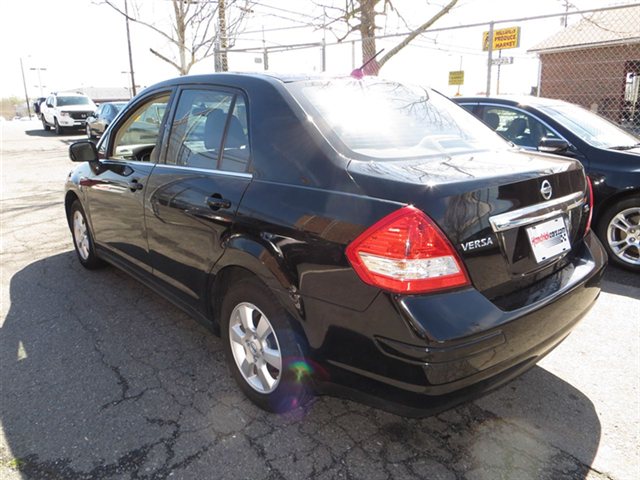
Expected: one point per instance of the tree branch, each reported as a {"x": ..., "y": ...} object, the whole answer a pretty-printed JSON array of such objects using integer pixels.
[
  {"x": 421, "y": 29},
  {"x": 168, "y": 60}
]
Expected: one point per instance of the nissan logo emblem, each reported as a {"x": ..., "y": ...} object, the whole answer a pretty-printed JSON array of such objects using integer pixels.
[{"x": 546, "y": 190}]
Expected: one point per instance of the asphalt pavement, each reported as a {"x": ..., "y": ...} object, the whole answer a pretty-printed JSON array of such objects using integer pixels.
[{"x": 100, "y": 378}]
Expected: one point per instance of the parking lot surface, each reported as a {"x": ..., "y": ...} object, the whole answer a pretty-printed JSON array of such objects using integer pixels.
[{"x": 101, "y": 378}]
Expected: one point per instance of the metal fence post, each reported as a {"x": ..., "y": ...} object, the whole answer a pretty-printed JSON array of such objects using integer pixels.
[{"x": 490, "y": 52}]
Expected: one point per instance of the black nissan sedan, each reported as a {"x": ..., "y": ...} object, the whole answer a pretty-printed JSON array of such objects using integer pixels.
[
  {"x": 610, "y": 156},
  {"x": 358, "y": 237}
]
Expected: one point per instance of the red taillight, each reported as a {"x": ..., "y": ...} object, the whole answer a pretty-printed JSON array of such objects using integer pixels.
[
  {"x": 406, "y": 252},
  {"x": 590, "y": 205}
]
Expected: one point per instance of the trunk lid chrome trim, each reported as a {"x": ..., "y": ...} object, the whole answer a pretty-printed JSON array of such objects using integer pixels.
[{"x": 536, "y": 213}]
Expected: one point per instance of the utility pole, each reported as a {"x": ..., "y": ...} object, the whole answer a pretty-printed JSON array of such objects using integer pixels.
[
  {"x": 24, "y": 84},
  {"x": 324, "y": 40},
  {"x": 222, "y": 23},
  {"x": 265, "y": 52},
  {"x": 133, "y": 82}
]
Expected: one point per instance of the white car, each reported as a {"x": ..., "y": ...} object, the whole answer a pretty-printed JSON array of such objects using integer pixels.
[{"x": 66, "y": 110}]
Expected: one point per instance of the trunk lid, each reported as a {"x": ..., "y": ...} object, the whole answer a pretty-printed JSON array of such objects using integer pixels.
[{"x": 492, "y": 206}]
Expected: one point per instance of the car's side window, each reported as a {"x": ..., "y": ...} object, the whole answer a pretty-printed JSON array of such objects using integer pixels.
[
  {"x": 469, "y": 107},
  {"x": 198, "y": 131},
  {"x": 137, "y": 136},
  {"x": 516, "y": 126}
]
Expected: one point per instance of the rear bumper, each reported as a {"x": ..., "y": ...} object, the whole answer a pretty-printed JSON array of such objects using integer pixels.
[{"x": 465, "y": 344}]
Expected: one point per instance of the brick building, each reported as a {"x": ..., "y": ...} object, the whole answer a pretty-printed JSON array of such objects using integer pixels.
[{"x": 596, "y": 63}]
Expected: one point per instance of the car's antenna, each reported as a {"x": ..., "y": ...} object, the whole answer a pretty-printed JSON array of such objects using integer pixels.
[{"x": 359, "y": 72}]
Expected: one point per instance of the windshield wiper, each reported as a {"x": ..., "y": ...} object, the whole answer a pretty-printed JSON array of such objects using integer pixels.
[{"x": 625, "y": 147}]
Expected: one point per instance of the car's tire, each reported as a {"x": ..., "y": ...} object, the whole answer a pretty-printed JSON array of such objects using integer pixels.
[
  {"x": 58, "y": 128},
  {"x": 619, "y": 230},
  {"x": 257, "y": 333},
  {"x": 45, "y": 125},
  {"x": 90, "y": 135},
  {"x": 82, "y": 238}
]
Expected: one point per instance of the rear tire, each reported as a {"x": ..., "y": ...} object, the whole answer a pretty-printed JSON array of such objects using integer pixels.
[
  {"x": 263, "y": 354},
  {"x": 82, "y": 238},
  {"x": 619, "y": 231}
]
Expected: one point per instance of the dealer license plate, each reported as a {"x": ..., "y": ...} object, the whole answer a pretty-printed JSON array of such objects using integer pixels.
[{"x": 549, "y": 239}]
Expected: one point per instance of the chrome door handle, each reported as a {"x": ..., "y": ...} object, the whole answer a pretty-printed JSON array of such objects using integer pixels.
[{"x": 215, "y": 202}]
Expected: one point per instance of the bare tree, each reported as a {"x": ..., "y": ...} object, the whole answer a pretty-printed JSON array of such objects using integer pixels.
[
  {"x": 194, "y": 32},
  {"x": 360, "y": 16}
]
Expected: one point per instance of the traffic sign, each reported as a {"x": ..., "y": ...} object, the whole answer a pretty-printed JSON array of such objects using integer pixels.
[
  {"x": 503, "y": 39},
  {"x": 502, "y": 61},
  {"x": 456, "y": 77}
]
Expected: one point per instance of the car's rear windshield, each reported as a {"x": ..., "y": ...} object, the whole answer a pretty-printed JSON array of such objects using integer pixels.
[
  {"x": 67, "y": 101},
  {"x": 385, "y": 119}
]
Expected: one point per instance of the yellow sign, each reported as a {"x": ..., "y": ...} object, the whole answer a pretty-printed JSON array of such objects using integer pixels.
[
  {"x": 456, "y": 78},
  {"x": 503, "y": 39}
]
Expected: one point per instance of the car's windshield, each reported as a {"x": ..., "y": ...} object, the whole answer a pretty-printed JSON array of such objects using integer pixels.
[
  {"x": 590, "y": 127},
  {"x": 385, "y": 119},
  {"x": 79, "y": 100}
]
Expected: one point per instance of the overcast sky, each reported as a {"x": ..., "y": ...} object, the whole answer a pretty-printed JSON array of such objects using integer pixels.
[{"x": 82, "y": 43}]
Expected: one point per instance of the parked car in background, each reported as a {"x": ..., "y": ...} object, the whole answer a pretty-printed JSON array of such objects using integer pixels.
[
  {"x": 98, "y": 122},
  {"x": 610, "y": 155},
  {"x": 66, "y": 110},
  {"x": 362, "y": 236},
  {"x": 36, "y": 105}
]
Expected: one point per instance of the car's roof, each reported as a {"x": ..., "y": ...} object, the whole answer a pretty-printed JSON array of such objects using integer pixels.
[
  {"x": 69, "y": 94},
  {"x": 239, "y": 77},
  {"x": 522, "y": 100}
]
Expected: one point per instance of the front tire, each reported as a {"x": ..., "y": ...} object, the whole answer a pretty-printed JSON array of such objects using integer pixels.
[
  {"x": 263, "y": 354},
  {"x": 90, "y": 135},
  {"x": 619, "y": 231},
  {"x": 57, "y": 126},
  {"x": 45, "y": 125},
  {"x": 82, "y": 238}
]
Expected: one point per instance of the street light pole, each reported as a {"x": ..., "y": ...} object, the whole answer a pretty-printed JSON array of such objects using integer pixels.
[{"x": 39, "y": 69}]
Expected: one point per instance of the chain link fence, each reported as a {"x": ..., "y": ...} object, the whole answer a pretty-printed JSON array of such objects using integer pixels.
[{"x": 591, "y": 58}]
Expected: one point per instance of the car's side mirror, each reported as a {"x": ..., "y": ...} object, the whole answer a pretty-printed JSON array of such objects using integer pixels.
[
  {"x": 83, "y": 151},
  {"x": 553, "y": 145}
]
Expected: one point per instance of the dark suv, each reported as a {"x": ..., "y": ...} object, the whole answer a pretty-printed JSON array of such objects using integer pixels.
[{"x": 360, "y": 237}]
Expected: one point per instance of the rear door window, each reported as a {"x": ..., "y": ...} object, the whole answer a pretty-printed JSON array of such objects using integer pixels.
[{"x": 209, "y": 131}]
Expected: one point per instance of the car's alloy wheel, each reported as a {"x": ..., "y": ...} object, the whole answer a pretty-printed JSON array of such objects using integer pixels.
[
  {"x": 263, "y": 352},
  {"x": 623, "y": 236},
  {"x": 82, "y": 238},
  {"x": 255, "y": 347},
  {"x": 81, "y": 235}
]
